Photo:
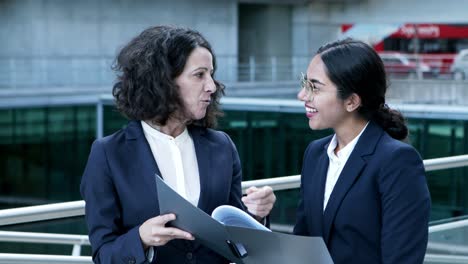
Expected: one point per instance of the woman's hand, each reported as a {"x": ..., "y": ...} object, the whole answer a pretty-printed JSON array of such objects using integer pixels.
[
  {"x": 153, "y": 232},
  {"x": 259, "y": 201}
]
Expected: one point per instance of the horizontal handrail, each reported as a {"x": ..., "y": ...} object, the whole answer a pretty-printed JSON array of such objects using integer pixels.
[
  {"x": 448, "y": 226},
  {"x": 291, "y": 182},
  {"x": 76, "y": 208},
  {"x": 446, "y": 163},
  {"x": 8, "y": 258},
  {"x": 47, "y": 238},
  {"x": 41, "y": 212},
  {"x": 440, "y": 258},
  {"x": 449, "y": 248},
  {"x": 278, "y": 183}
]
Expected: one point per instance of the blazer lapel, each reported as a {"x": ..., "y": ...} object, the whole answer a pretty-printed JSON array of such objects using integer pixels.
[
  {"x": 203, "y": 152},
  {"x": 318, "y": 188},
  {"x": 350, "y": 174},
  {"x": 145, "y": 167}
]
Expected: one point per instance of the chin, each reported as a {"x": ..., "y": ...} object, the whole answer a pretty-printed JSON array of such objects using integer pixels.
[
  {"x": 314, "y": 126},
  {"x": 199, "y": 116}
]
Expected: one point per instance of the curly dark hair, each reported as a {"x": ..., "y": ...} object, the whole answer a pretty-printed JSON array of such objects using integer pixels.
[{"x": 146, "y": 70}]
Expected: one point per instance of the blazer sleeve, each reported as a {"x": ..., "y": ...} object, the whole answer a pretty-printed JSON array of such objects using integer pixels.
[
  {"x": 300, "y": 228},
  {"x": 405, "y": 207},
  {"x": 111, "y": 243},
  {"x": 235, "y": 193}
]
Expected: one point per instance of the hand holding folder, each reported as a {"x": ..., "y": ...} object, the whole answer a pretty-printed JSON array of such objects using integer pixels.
[{"x": 244, "y": 243}]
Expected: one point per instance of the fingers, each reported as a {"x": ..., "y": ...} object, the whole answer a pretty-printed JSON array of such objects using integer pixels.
[
  {"x": 259, "y": 201},
  {"x": 264, "y": 193},
  {"x": 251, "y": 190},
  {"x": 153, "y": 232},
  {"x": 163, "y": 219},
  {"x": 174, "y": 233}
]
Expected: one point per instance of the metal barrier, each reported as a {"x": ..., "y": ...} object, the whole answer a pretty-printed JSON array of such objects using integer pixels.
[
  {"x": 76, "y": 208},
  {"x": 440, "y": 258},
  {"x": 46, "y": 238},
  {"x": 6, "y": 258}
]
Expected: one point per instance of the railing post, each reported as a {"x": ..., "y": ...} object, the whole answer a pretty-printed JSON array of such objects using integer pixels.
[
  {"x": 252, "y": 68},
  {"x": 76, "y": 250},
  {"x": 294, "y": 68},
  {"x": 44, "y": 65},
  {"x": 99, "y": 119},
  {"x": 75, "y": 76},
  {"x": 274, "y": 71},
  {"x": 13, "y": 72}
]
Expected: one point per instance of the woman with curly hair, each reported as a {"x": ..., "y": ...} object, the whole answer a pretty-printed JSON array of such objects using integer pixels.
[{"x": 166, "y": 89}]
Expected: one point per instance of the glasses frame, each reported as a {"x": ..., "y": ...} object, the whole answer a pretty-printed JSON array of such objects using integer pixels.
[{"x": 309, "y": 86}]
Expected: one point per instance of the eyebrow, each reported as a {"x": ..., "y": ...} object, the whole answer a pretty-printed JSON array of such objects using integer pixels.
[
  {"x": 314, "y": 81},
  {"x": 203, "y": 68}
]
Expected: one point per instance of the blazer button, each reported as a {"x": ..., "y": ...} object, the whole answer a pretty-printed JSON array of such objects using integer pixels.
[
  {"x": 131, "y": 261},
  {"x": 189, "y": 255}
]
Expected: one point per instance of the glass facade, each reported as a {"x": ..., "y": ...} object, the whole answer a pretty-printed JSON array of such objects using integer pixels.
[{"x": 44, "y": 151}]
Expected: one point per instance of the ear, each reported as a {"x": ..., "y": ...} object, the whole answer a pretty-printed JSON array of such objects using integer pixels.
[{"x": 353, "y": 102}]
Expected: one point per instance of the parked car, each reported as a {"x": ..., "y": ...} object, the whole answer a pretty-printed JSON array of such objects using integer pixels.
[
  {"x": 459, "y": 68},
  {"x": 398, "y": 65}
]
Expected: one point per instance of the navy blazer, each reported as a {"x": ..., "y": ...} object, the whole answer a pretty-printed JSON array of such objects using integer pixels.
[
  {"x": 378, "y": 211},
  {"x": 119, "y": 188}
]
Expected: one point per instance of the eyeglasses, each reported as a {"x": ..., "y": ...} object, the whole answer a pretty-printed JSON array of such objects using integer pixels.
[{"x": 308, "y": 85}]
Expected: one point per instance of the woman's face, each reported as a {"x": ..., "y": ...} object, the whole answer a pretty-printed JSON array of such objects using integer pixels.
[
  {"x": 196, "y": 84},
  {"x": 323, "y": 107}
]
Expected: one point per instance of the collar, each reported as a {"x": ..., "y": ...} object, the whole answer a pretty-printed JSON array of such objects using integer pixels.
[
  {"x": 345, "y": 152},
  {"x": 157, "y": 134}
]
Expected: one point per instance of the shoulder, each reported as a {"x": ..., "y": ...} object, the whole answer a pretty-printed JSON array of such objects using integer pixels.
[
  {"x": 392, "y": 148},
  {"x": 318, "y": 145},
  {"x": 212, "y": 135},
  {"x": 112, "y": 139},
  {"x": 117, "y": 139}
]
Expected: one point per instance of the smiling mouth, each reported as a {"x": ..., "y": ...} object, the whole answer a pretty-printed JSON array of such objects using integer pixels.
[{"x": 311, "y": 110}]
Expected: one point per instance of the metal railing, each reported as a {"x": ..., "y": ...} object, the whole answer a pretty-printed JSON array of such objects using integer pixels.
[
  {"x": 86, "y": 71},
  {"x": 7, "y": 258},
  {"x": 76, "y": 208},
  {"x": 72, "y": 209},
  {"x": 47, "y": 238}
]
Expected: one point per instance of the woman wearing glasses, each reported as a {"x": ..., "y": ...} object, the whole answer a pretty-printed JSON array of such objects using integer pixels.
[{"x": 362, "y": 189}]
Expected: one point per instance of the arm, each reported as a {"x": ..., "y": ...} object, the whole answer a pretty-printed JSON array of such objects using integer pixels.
[
  {"x": 300, "y": 228},
  {"x": 405, "y": 207},
  {"x": 112, "y": 242},
  {"x": 235, "y": 193},
  {"x": 259, "y": 201}
]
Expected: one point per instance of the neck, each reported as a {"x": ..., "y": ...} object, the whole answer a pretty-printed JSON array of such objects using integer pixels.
[
  {"x": 349, "y": 131},
  {"x": 172, "y": 127}
]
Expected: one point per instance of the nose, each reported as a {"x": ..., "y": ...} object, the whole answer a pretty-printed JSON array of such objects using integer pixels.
[
  {"x": 302, "y": 95},
  {"x": 210, "y": 86}
]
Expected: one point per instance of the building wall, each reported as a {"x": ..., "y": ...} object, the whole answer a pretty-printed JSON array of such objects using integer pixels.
[
  {"x": 54, "y": 42},
  {"x": 265, "y": 41}
]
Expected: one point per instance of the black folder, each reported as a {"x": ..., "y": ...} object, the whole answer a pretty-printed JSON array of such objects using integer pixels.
[{"x": 240, "y": 244}]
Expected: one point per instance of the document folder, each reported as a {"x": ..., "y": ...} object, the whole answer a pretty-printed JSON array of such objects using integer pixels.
[{"x": 239, "y": 244}]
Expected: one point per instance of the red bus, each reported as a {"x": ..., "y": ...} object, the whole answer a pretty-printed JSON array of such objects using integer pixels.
[{"x": 434, "y": 44}]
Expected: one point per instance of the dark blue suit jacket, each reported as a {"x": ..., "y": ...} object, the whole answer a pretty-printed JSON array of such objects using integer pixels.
[
  {"x": 379, "y": 209},
  {"x": 119, "y": 188}
]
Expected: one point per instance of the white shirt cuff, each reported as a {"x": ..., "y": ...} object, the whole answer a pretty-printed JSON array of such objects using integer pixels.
[{"x": 150, "y": 254}]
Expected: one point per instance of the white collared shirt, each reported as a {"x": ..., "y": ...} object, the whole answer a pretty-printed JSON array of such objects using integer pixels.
[
  {"x": 337, "y": 163},
  {"x": 177, "y": 161}
]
